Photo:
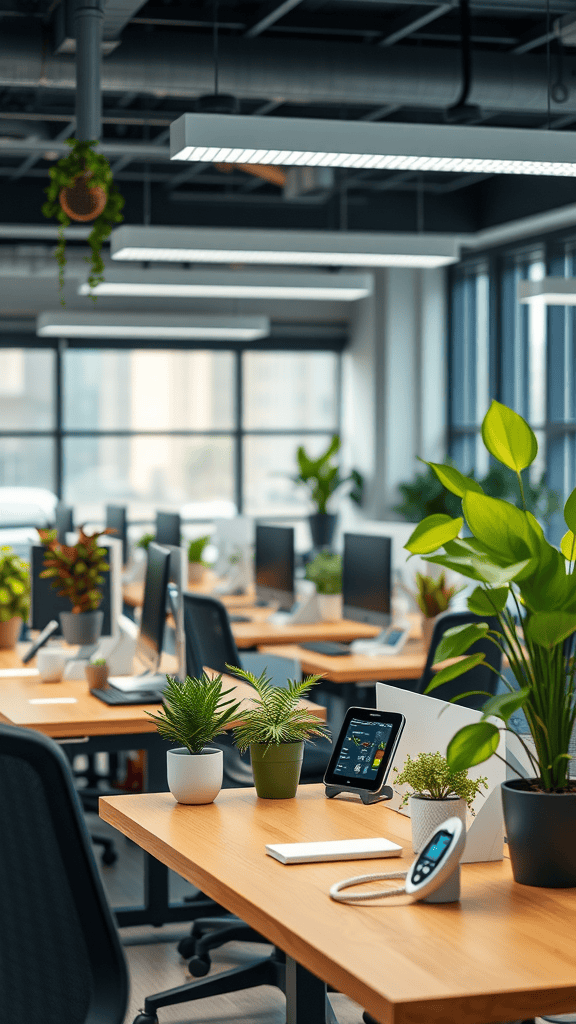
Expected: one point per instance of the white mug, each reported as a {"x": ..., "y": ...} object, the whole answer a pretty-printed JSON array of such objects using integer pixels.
[{"x": 51, "y": 662}]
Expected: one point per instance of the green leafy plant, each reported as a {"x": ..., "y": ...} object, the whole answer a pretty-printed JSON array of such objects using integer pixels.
[
  {"x": 195, "y": 711},
  {"x": 322, "y": 477},
  {"x": 97, "y": 662},
  {"x": 145, "y": 540},
  {"x": 514, "y": 565},
  {"x": 14, "y": 586},
  {"x": 326, "y": 572},
  {"x": 425, "y": 495},
  {"x": 432, "y": 594},
  {"x": 76, "y": 569},
  {"x": 276, "y": 715},
  {"x": 196, "y": 549},
  {"x": 83, "y": 161},
  {"x": 430, "y": 776}
]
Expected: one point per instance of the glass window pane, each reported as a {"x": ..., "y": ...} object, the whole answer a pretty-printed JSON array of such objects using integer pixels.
[
  {"x": 191, "y": 475},
  {"x": 269, "y": 463},
  {"x": 27, "y": 462},
  {"x": 290, "y": 389},
  {"x": 26, "y": 389},
  {"x": 148, "y": 390}
]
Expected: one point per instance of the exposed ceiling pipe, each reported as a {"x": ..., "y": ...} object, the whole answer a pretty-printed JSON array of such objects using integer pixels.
[
  {"x": 180, "y": 65},
  {"x": 88, "y": 21}
]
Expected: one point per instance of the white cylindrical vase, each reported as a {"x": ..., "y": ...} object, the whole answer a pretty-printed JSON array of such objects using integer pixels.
[
  {"x": 427, "y": 815},
  {"x": 195, "y": 778},
  {"x": 330, "y": 606}
]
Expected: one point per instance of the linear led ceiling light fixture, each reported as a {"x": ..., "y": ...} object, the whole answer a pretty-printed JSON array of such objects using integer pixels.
[
  {"x": 223, "y": 284},
  {"x": 549, "y": 291},
  {"x": 303, "y": 248},
  {"x": 290, "y": 141},
  {"x": 146, "y": 326}
]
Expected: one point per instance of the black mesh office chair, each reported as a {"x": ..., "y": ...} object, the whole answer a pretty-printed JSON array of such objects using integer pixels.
[
  {"x": 51, "y": 898},
  {"x": 480, "y": 678}
]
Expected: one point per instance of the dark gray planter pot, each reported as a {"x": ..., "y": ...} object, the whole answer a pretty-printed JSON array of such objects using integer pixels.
[
  {"x": 82, "y": 628},
  {"x": 276, "y": 770},
  {"x": 322, "y": 526},
  {"x": 541, "y": 833}
]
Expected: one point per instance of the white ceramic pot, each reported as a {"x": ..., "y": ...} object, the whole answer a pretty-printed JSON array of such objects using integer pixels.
[
  {"x": 330, "y": 606},
  {"x": 427, "y": 815},
  {"x": 195, "y": 778}
]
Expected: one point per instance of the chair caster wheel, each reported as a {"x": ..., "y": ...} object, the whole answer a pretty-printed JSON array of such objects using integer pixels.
[
  {"x": 109, "y": 857},
  {"x": 186, "y": 947},
  {"x": 199, "y": 965},
  {"x": 146, "y": 1018}
]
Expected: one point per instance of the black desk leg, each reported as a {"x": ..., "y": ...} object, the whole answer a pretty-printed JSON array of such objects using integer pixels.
[{"x": 306, "y": 1000}]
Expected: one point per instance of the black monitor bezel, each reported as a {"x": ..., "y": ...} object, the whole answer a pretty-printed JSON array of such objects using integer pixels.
[
  {"x": 148, "y": 654},
  {"x": 121, "y": 532},
  {"x": 284, "y": 599},
  {"x": 397, "y": 720},
  {"x": 368, "y": 615},
  {"x": 163, "y": 519}
]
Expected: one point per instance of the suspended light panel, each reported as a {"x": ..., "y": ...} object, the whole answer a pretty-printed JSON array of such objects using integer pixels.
[
  {"x": 548, "y": 291},
  {"x": 232, "y": 285},
  {"x": 311, "y": 142},
  {"x": 303, "y": 248},
  {"x": 144, "y": 327}
]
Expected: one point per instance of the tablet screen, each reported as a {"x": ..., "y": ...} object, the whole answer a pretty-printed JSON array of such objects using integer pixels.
[{"x": 363, "y": 752}]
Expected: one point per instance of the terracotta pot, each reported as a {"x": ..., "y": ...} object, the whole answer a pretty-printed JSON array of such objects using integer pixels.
[
  {"x": 427, "y": 630},
  {"x": 195, "y": 572},
  {"x": 9, "y": 633},
  {"x": 97, "y": 676},
  {"x": 80, "y": 202}
]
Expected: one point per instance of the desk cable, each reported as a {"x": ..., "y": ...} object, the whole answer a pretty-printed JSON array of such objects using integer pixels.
[{"x": 340, "y": 897}]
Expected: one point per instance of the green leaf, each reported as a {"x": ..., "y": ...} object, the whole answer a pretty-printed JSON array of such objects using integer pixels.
[
  {"x": 503, "y": 705},
  {"x": 458, "y": 639},
  {"x": 508, "y": 437},
  {"x": 432, "y": 533},
  {"x": 498, "y": 576},
  {"x": 462, "y": 565},
  {"x": 488, "y": 602},
  {"x": 547, "y": 629},
  {"x": 455, "y": 670},
  {"x": 453, "y": 480},
  {"x": 500, "y": 526},
  {"x": 570, "y": 511},
  {"x": 472, "y": 745},
  {"x": 568, "y": 545}
]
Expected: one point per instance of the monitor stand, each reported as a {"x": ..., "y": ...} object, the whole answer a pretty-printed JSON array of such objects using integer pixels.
[
  {"x": 305, "y": 610},
  {"x": 145, "y": 681}
]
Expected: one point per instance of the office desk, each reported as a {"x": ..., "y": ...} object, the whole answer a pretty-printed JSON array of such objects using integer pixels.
[
  {"x": 85, "y": 725},
  {"x": 259, "y": 631},
  {"x": 133, "y": 593},
  {"x": 505, "y": 951}
]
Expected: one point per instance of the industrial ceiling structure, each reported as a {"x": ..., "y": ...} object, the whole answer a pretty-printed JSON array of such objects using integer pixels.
[{"x": 349, "y": 60}]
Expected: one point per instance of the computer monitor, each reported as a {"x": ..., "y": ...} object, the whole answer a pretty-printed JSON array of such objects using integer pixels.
[
  {"x": 366, "y": 579},
  {"x": 151, "y": 636},
  {"x": 116, "y": 520},
  {"x": 274, "y": 565},
  {"x": 63, "y": 521},
  {"x": 168, "y": 529},
  {"x": 46, "y": 603}
]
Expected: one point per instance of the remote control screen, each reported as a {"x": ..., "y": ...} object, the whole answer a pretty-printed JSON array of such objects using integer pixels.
[{"x": 437, "y": 847}]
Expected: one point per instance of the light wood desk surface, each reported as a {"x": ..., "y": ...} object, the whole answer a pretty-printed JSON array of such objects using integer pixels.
[
  {"x": 505, "y": 951},
  {"x": 83, "y": 714},
  {"x": 352, "y": 668},
  {"x": 260, "y": 631}
]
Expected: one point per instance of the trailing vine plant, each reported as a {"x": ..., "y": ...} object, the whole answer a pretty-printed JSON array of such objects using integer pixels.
[{"x": 83, "y": 161}]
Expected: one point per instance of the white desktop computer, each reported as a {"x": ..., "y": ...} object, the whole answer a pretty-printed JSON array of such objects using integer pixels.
[{"x": 234, "y": 540}]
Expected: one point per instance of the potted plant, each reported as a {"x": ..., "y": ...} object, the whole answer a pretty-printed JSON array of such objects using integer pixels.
[
  {"x": 195, "y": 712},
  {"x": 97, "y": 673},
  {"x": 326, "y": 572},
  {"x": 275, "y": 729},
  {"x": 145, "y": 540},
  {"x": 436, "y": 793},
  {"x": 196, "y": 566},
  {"x": 76, "y": 573},
  {"x": 530, "y": 586},
  {"x": 433, "y": 596},
  {"x": 14, "y": 597},
  {"x": 322, "y": 478},
  {"x": 82, "y": 188}
]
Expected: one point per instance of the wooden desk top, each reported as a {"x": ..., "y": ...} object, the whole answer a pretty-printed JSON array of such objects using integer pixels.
[
  {"x": 133, "y": 593},
  {"x": 353, "y": 668},
  {"x": 82, "y": 714},
  {"x": 505, "y": 951},
  {"x": 260, "y": 631}
]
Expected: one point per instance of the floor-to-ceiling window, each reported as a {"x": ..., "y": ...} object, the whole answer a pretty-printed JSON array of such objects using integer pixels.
[{"x": 206, "y": 432}]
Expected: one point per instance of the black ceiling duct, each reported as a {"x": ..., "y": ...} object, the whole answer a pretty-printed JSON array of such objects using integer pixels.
[{"x": 462, "y": 112}]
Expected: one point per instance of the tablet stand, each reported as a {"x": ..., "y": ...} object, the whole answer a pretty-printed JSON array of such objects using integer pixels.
[{"x": 386, "y": 793}]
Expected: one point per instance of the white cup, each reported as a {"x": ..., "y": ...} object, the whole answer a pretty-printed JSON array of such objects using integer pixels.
[{"x": 51, "y": 662}]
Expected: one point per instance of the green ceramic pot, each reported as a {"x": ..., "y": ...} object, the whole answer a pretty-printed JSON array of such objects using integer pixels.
[{"x": 276, "y": 770}]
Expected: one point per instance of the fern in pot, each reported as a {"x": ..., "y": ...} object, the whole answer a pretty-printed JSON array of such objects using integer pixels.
[
  {"x": 194, "y": 713},
  {"x": 275, "y": 729},
  {"x": 196, "y": 564}
]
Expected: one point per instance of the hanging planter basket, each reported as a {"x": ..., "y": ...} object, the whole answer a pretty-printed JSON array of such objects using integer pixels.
[{"x": 82, "y": 189}]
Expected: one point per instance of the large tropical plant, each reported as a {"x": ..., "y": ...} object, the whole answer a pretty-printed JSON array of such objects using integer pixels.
[
  {"x": 322, "y": 476},
  {"x": 529, "y": 585}
]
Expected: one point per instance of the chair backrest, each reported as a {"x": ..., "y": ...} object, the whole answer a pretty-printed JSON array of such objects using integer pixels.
[
  {"x": 60, "y": 955},
  {"x": 209, "y": 639},
  {"x": 480, "y": 678}
]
